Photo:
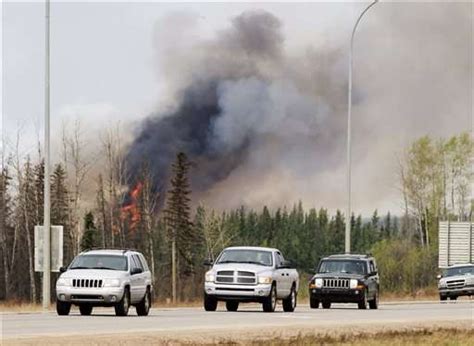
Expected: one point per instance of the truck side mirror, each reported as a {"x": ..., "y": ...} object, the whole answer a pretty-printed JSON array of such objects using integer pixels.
[
  {"x": 439, "y": 276},
  {"x": 62, "y": 269},
  {"x": 207, "y": 263}
]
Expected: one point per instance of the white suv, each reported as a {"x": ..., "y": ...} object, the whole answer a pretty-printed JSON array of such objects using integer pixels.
[{"x": 117, "y": 278}]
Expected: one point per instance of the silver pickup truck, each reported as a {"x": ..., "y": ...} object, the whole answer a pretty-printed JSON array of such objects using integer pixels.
[
  {"x": 457, "y": 280},
  {"x": 250, "y": 274}
]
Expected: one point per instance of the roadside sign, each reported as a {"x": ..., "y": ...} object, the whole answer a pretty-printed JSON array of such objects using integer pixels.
[{"x": 56, "y": 248}]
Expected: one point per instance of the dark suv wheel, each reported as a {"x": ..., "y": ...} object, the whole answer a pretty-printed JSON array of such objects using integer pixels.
[
  {"x": 374, "y": 303},
  {"x": 326, "y": 305},
  {"x": 313, "y": 303},
  {"x": 363, "y": 302},
  {"x": 442, "y": 297}
]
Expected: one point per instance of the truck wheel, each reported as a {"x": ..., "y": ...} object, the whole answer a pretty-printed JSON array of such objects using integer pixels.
[
  {"x": 210, "y": 303},
  {"x": 232, "y": 305},
  {"x": 85, "y": 309},
  {"x": 121, "y": 309},
  {"x": 442, "y": 297},
  {"x": 363, "y": 302},
  {"x": 374, "y": 303},
  {"x": 269, "y": 303},
  {"x": 289, "y": 304},
  {"x": 143, "y": 308},
  {"x": 326, "y": 305},
  {"x": 313, "y": 303},
  {"x": 453, "y": 298},
  {"x": 63, "y": 308}
]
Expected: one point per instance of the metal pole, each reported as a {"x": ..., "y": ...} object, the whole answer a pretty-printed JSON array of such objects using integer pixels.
[
  {"x": 349, "y": 129},
  {"x": 47, "y": 220}
]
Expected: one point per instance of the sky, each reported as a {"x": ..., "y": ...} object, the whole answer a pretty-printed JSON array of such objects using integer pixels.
[{"x": 412, "y": 76}]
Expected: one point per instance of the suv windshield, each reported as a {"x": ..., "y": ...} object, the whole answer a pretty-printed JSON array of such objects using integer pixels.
[
  {"x": 259, "y": 257},
  {"x": 110, "y": 262},
  {"x": 459, "y": 271},
  {"x": 343, "y": 266}
]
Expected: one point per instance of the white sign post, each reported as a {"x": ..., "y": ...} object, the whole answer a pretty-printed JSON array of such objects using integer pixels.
[{"x": 56, "y": 248}]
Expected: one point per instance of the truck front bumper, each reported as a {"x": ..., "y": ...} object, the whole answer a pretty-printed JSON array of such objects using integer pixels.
[
  {"x": 237, "y": 292},
  {"x": 456, "y": 292},
  {"x": 98, "y": 296},
  {"x": 336, "y": 295}
]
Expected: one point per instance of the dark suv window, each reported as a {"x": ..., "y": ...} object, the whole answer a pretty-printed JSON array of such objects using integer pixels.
[{"x": 343, "y": 266}]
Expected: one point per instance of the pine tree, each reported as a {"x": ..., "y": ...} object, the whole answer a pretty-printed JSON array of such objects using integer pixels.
[
  {"x": 178, "y": 220},
  {"x": 60, "y": 210},
  {"x": 90, "y": 237}
]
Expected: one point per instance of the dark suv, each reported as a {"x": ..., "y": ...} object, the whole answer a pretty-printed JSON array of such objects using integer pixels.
[{"x": 345, "y": 279}]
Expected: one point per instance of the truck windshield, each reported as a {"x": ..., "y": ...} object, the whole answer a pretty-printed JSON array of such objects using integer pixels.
[
  {"x": 459, "y": 271},
  {"x": 259, "y": 257},
  {"x": 110, "y": 262},
  {"x": 343, "y": 266}
]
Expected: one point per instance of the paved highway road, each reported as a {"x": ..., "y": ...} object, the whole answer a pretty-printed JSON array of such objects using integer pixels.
[{"x": 249, "y": 318}]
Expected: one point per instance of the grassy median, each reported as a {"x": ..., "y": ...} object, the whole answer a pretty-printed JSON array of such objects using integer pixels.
[{"x": 425, "y": 336}]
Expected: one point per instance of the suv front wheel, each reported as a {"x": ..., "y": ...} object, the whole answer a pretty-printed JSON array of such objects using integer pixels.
[
  {"x": 121, "y": 309},
  {"x": 63, "y": 308},
  {"x": 363, "y": 302},
  {"x": 143, "y": 308},
  {"x": 374, "y": 303}
]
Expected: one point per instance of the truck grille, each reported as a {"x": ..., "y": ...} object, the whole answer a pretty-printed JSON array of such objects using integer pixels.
[
  {"x": 456, "y": 283},
  {"x": 89, "y": 283},
  {"x": 336, "y": 283},
  {"x": 236, "y": 277}
]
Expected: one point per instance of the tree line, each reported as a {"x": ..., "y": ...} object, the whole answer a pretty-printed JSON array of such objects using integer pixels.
[{"x": 176, "y": 237}]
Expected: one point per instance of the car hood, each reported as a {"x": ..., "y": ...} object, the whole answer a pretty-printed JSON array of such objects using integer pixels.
[
  {"x": 338, "y": 276},
  {"x": 92, "y": 274},
  {"x": 255, "y": 268}
]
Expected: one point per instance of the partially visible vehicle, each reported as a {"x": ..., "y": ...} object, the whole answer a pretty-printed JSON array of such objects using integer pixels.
[
  {"x": 345, "y": 279},
  {"x": 251, "y": 274},
  {"x": 456, "y": 281},
  {"x": 113, "y": 278}
]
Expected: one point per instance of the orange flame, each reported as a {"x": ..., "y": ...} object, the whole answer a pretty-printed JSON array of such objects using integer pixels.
[{"x": 131, "y": 210}]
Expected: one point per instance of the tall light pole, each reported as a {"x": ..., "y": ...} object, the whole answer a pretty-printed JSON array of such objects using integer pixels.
[
  {"x": 349, "y": 130},
  {"x": 47, "y": 214}
]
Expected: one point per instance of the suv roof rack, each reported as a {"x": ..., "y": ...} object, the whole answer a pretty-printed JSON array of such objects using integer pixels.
[
  {"x": 350, "y": 255},
  {"x": 124, "y": 250}
]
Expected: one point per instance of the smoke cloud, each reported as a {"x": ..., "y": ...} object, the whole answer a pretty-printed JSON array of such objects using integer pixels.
[
  {"x": 240, "y": 99},
  {"x": 264, "y": 125}
]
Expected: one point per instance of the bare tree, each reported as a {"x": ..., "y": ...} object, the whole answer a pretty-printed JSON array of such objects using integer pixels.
[
  {"x": 116, "y": 173},
  {"x": 77, "y": 168}
]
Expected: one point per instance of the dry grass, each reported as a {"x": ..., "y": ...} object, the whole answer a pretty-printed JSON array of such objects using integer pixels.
[
  {"x": 18, "y": 306},
  {"x": 451, "y": 337},
  {"x": 454, "y": 336}
]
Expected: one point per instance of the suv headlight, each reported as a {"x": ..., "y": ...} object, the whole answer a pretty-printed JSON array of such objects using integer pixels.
[
  {"x": 353, "y": 283},
  {"x": 442, "y": 283},
  {"x": 63, "y": 282},
  {"x": 265, "y": 279},
  {"x": 210, "y": 277},
  {"x": 318, "y": 282},
  {"x": 111, "y": 283}
]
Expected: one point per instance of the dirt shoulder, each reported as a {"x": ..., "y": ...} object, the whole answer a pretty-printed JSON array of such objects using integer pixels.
[{"x": 420, "y": 333}]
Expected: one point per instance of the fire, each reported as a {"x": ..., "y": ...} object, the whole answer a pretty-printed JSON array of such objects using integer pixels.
[{"x": 131, "y": 210}]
